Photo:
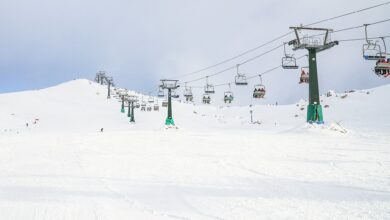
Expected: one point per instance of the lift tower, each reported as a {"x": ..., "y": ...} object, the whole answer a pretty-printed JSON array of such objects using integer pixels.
[
  {"x": 314, "y": 40},
  {"x": 109, "y": 82},
  {"x": 122, "y": 95},
  {"x": 132, "y": 99},
  {"x": 169, "y": 85}
]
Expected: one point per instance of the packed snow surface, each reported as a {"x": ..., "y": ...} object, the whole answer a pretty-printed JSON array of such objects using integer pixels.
[{"x": 56, "y": 164}]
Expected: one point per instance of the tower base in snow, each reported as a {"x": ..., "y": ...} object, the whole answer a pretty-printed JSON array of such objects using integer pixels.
[
  {"x": 169, "y": 122},
  {"x": 314, "y": 114}
]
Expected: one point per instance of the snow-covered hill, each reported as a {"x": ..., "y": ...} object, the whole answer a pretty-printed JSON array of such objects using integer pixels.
[
  {"x": 82, "y": 105},
  {"x": 217, "y": 165}
]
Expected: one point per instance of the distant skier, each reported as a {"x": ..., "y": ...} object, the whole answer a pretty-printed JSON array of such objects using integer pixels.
[
  {"x": 101, "y": 129},
  {"x": 27, "y": 125}
]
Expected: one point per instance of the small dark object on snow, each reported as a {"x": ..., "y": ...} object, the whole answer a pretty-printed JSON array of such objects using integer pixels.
[{"x": 101, "y": 129}]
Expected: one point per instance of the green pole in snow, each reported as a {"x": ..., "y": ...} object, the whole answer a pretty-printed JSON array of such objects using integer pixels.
[
  {"x": 129, "y": 110},
  {"x": 109, "y": 89},
  {"x": 314, "y": 109},
  {"x": 132, "y": 112},
  {"x": 123, "y": 104},
  {"x": 169, "y": 120}
]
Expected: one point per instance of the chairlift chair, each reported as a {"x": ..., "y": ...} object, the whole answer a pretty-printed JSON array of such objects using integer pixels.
[
  {"x": 259, "y": 90},
  {"x": 189, "y": 97},
  {"x": 288, "y": 61},
  {"x": 206, "y": 99},
  {"x": 143, "y": 104},
  {"x": 240, "y": 79},
  {"x": 175, "y": 95},
  {"x": 304, "y": 78},
  {"x": 372, "y": 50},
  {"x": 382, "y": 68},
  {"x": 209, "y": 88},
  {"x": 156, "y": 107},
  {"x": 188, "y": 93},
  {"x": 165, "y": 103},
  {"x": 228, "y": 96},
  {"x": 149, "y": 108},
  {"x": 151, "y": 99},
  {"x": 160, "y": 93}
]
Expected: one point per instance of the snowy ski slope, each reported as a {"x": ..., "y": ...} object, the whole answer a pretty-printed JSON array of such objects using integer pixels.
[{"x": 215, "y": 166}]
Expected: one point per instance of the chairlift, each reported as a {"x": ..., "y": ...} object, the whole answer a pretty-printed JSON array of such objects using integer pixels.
[
  {"x": 188, "y": 93},
  {"x": 206, "y": 99},
  {"x": 143, "y": 103},
  {"x": 156, "y": 107},
  {"x": 209, "y": 88},
  {"x": 288, "y": 61},
  {"x": 160, "y": 93},
  {"x": 259, "y": 90},
  {"x": 151, "y": 99},
  {"x": 175, "y": 95},
  {"x": 165, "y": 102},
  {"x": 149, "y": 108},
  {"x": 240, "y": 79},
  {"x": 382, "y": 68},
  {"x": 228, "y": 96},
  {"x": 304, "y": 78},
  {"x": 372, "y": 50}
]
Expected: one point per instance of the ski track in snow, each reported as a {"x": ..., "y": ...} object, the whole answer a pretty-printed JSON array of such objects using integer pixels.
[{"x": 215, "y": 166}]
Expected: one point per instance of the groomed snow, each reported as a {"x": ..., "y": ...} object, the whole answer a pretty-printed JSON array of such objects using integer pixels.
[{"x": 215, "y": 166}]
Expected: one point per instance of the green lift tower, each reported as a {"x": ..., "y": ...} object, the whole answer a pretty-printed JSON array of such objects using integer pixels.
[
  {"x": 314, "y": 43},
  {"x": 123, "y": 94},
  {"x": 170, "y": 85},
  {"x": 132, "y": 99}
]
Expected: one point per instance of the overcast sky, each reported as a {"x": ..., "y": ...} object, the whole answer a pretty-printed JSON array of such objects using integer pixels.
[{"x": 46, "y": 42}]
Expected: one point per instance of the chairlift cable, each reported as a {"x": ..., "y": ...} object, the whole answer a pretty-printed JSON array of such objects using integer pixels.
[
  {"x": 278, "y": 38},
  {"x": 362, "y": 39},
  {"x": 235, "y": 66},
  {"x": 275, "y": 48},
  {"x": 279, "y": 66},
  {"x": 258, "y": 56},
  {"x": 349, "y": 13}
]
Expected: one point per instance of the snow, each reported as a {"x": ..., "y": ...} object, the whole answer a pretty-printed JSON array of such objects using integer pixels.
[{"x": 217, "y": 165}]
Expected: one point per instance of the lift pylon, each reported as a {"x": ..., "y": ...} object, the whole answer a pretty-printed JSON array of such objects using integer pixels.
[{"x": 314, "y": 44}]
